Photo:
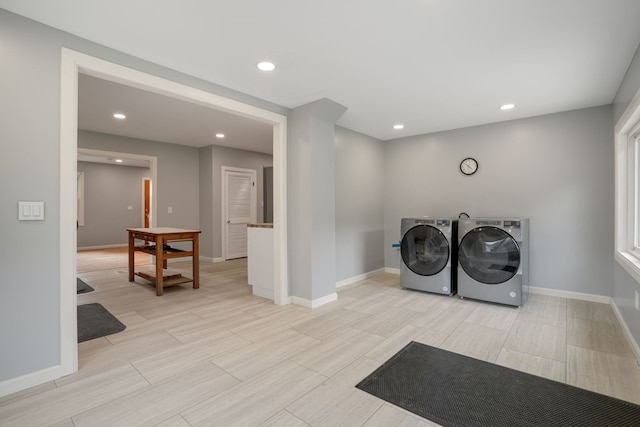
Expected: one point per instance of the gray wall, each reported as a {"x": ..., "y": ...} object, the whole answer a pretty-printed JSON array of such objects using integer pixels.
[
  {"x": 624, "y": 286},
  {"x": 206, "y": 201},
  {"x": 189, "y": 181},
  {"x": 312, "y": 199},
  {"x": 30, "y": 170},
  {"x": 359, "y": 203},
  {"x": 178, "y": 177},
  {"x": 224, "y": 156},
  {"x": 558, "y": 192},
  {"x": 555, "y": 169},
  {"x": 108, "y": 192},
  {"x": 628, "y": 88}
]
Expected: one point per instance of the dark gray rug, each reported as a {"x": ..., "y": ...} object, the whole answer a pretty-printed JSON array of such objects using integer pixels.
[
  {"x": 455, "y": 390},
  {"x": 94, "y": 321},
  {"x": 82, "y": 287}
]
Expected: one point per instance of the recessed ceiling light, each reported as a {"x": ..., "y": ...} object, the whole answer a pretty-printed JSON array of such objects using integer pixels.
[
  {"x": 119, "y": 116},
  {"x": 219, "y": 135},
  {"x": 507, "y": 107},
  {"x": 266, "y": 66},
  {"x": 118, "y": 160},
  {"x": 398, "y": 126}
]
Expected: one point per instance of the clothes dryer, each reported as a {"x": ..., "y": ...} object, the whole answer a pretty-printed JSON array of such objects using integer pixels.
[
  {"x": 493, "y": 259},
  {"x": 428, "y": 250}
]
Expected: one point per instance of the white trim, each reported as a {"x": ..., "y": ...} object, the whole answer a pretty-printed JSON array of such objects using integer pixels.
[
  {"x": 72, "y": 63},
  {"x": 570, "y": 294},
  {"x": 68, "y": 232},
  {"x": 116, "y": 73},
  {"x": 33, "y": 379},
  {"x": 546, "y": 291},
  {"x": 630, "y": 263},
  {"x": 223, "y": 201},
  {"x": 153, "y": 171},
  {"x": 281, "y": 292},
  {"x": 316, "y": 302},
  {"x": 631, "y": 114},
  {"x": 358, "y": 278},
  {"x": 624, "y": 202},
  {"x": 205, "y": 259},
  {"x": 632, "y": 342}
]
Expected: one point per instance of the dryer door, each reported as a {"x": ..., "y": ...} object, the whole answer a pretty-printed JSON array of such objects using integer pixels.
[
  {"x": 425, "y": 250},
  {"x": 489, "y": 255}
]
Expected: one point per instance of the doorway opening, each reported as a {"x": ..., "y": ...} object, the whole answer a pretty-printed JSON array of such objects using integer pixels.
[
  {"x": 147, "y": 214},
  {"x": 239, "y": 208},
  {"x": 74, "y": 63}
]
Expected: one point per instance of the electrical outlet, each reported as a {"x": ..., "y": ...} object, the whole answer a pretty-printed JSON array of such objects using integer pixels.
[{"x": 637, "y": 301}]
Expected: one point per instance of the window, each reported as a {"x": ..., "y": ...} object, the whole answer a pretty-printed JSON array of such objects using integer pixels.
[{"x": 627, "y": 151}]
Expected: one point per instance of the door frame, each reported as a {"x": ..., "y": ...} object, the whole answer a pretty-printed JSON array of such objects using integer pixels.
[
  {"x": 223, "y": 201},
  {"x": 73, "y": 63},
  {"x": 153, "y": 172}
]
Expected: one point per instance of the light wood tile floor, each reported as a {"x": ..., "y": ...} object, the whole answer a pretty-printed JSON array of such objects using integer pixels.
[
  {"x": 218, "y": 356},
  {"x": 105, "y": 259}
]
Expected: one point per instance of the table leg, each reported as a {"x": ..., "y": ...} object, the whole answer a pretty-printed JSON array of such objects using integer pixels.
[
  {"x": 159, "y": 264},
  {"x": 131, "y": 256},
  {"x": 196, "y": 262}
]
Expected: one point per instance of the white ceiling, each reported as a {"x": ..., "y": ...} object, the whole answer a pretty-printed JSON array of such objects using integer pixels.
[
  {"x": 160, "y": 118},
  {"x": 430, "y": 64}
]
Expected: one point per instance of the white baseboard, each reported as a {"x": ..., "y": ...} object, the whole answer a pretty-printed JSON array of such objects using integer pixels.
[
  {"x": 632, "y": 342},
  {"x": 30, "y": 380},
  {"x": 570, "y": 295},
  {"x": 547, "y": 291},
  {"x": 202, "y": 259},
  {"x": 358, "y": 278},
  {"x": 316, "y": 302},
  {"x": 93, "y": 248}
]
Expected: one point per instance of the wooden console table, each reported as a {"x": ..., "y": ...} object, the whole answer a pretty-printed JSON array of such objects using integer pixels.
[{"x": 156, "y": 242}]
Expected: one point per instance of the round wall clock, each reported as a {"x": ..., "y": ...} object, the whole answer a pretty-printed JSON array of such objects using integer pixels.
[{"x": 469, "y": 166}]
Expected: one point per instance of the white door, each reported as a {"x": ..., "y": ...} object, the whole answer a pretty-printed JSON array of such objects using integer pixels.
[{"x": 239, "y": 207}]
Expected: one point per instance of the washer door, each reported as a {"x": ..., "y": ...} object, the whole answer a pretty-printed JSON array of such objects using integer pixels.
[
  {"x": 425, "y": 250},
  {"x": 489, "y": 255}
]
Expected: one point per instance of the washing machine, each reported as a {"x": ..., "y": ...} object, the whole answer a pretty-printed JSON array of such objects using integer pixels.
[
  {"x": 428, "y": 250},
  {"x": 493, "y": 259}
]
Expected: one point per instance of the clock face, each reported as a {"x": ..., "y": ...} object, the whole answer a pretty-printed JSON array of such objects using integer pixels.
[{"x": 468, "y": 166}]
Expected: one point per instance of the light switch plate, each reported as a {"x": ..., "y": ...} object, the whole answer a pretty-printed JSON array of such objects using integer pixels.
[{"x": 31, "y": 211}]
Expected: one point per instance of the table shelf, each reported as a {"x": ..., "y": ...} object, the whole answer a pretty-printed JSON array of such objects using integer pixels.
[
  {"x": 167, "y": 252},
  {"x": 160, "y": 237},
  {"x": 169, "y": 277}
]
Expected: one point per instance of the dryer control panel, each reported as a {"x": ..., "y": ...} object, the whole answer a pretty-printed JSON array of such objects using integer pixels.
[
  {"x": 489, "y": 222},
  {"x": 424, "y": 221}
]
